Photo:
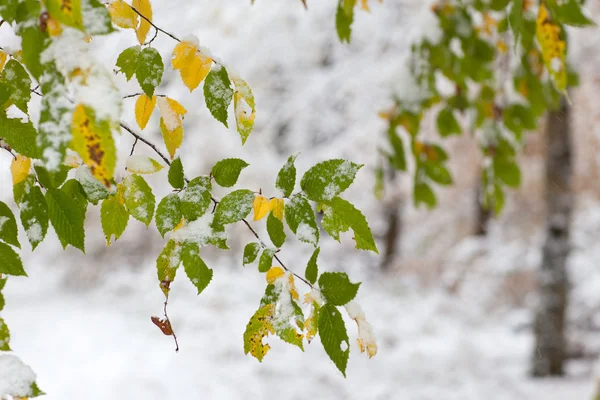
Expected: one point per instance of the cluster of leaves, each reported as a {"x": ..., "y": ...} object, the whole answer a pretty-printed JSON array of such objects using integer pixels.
[
  {"x": 497, "y": 91},
  {"x": 66, "y": 161}
]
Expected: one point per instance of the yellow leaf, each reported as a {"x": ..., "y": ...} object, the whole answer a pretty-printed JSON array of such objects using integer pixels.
[
  {"x": 145, "y": 8},
  {"x": 274, "y": 273},
  {"x": 20, "y": 169},
  {"x": 553, "y": 48},
  {"x": 144, "y": 106},
  {"x": 276, "y": 205},
  {"x": 292, "y": 288},
  {"x": 138, "y": 164},
  {"x": 311, "y": 323},
  {"x": 53, "y": 27},
  {"x": 175, "y": 106},
  {"x": 179, "y": 225},
  {"x": 261, "y": 207},
  {"x": 122, "y": 15},
  {"x": 243, "y": 107},
  {"x": 193, "y": 66},
  {"x": 173, "y": 139},
  {"x": 3, "y": 58},
  {"x": 260, "y": 325},
  {"x": 93, "y": 141}
]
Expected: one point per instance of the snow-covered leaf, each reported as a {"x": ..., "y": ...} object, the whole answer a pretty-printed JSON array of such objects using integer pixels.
[
  {"x": 301, "y": 220},
  {"x": 196, "y": 198},
  {"x": 218, "y": 93},
  {"x": 149, "y": 70},
  {"x": 233, "y": 207},
  {"x": 93, "y": 189},
  {"x": 138, "y": 164},
  {"x": 34, "y": 210},
  {"x": 114, "y": 218},
  {"x": 139, "y": 199},
  {"x": 286, "y": 178},
  {"x": 167, "y": 264},
  {"x": 327, "y": 179},
  {"x": 251, "y": 252},
  {"x": 243, "y": 107},
  {"x": 168, "y": 213},
  {"x": 128, "y": 61},
  {"x": 18, "y": 81}
]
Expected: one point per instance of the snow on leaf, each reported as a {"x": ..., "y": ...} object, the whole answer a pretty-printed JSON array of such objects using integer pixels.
[
  {"x": 145, "y": 8},
  {"x": 327, "y": 179},
  {"x": 251, "y": 252},
  {"x": 167, "y": 264},
  {"x": 301, "y": 220},
  {"x": 19, "y": 168},
  {"x": 149, "y": 70},
  {"x": 18, "y": 81},
  {"x": 340, "y": 215},
  {"x": 193, "y": 66},
  {"x": 218, "y": 93},
  {"x": 244, "y": 108},
  {"x": 196, "y": 198},
  {"x": 257, "y": 329},
  {"x": 138, "y": 197},
  {"x": 233, "y": 207},
  {"x": 144, "y": 106},
  {"x": 93, "y": 141},
  {"x": 202, "y": 231},
  {"x": 122, "y": 15},
  {"x": 93, "y": 189},
  {"x": 261, "y": 207},
  {"x": 195, "y": 268},
  {"x": 128, "y": 60},
  {"x": 34, "y": 210},
  {"x": 366, "y": 337},
  {"x": 168, "y": 213},
  {"x": 173, "y": 139},
  {"x": 16, "y": 378},
  {"x": 311, "y": 325},
  {"x": 286, "y": 178},
  {"x": 171, "y": 112},
  {"x": 138, "y": 164}
]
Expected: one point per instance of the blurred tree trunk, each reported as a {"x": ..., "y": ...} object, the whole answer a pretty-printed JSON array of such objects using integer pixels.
[
  {"x": 482, "y": 218},
  {"x": 550, "y": 345},
  {"x": 393, "y": 214}
]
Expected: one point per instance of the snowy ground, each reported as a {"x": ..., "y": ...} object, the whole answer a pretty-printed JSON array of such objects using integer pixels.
[{"x": 83, "y": 323}]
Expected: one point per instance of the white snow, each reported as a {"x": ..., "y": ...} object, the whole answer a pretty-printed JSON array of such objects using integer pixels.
[
  {"x": 142, "y": 165},
  {"x": 16, "y": 377},
  {"x": 171, "y": 119},
  {"x": 306, "y": 233}
]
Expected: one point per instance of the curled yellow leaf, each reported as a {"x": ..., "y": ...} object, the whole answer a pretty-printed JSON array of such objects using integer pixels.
[
  {"x": 261, "y": 207},
  {"x": 144, "y": 106},
  {"x": 122, "y": 15},
  {"x": 172, "y": 138},
  {"x": 274, "y": 273},
  {"x": 193, "y": 66},
  {"x": 20, "y": 168},
  {"x": 145, "y": 8}
]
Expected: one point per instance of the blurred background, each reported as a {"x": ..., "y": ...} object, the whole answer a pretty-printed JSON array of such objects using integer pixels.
[{"x": 452, "y": 308}]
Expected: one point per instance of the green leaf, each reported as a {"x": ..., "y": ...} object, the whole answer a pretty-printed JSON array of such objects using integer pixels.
[
  {"x": 281, "y": 301},
  {"x": 10, "y": 262},
  {"x": 327, "y": 179},
  {"x": 196, "y": 198},
  {"x": 447, "y": 124},
  {"x": 437, "y": 172},
  {"x": 233, "y": 207},
  {"x": 73, "y": 189},
  {"x": 266, "y": 260},
  {"x": 275, "y": 230},
  {"x": 149, "y": 70},
  {"x": 286, "y": 178},
  {"x": 312, "y": 269},
  {"x": 114, "y": 218},
  {"x": 168, "y": 213},
  {"x": 4, "y": 336},
  {"x": 93, "y": 189},
  {"x": 226, "y": 172},
  {"x": 176, "y": 176},
  {"x": 20, "y": 136},
  {"x": 244, "y": 108},
  {"x": 19, "y": 82},
  {"x": 67, "y": 219},
  {"x": 33, "y": 42},
  {"x": 139, "y": 198},
  {"x": 333, "y": 334},
  {"x": 343, "y": 22},
  {"x": 516, "y": 19},
  {"x": 337, "y": 288},
  {"x": 342, "y": 214},
  {"x": 167, "y": 264},
  {"x": 251, "y": 252},
  {"x": 68, "y": 13},
  {"x": 34, "y": 210},
  {"x": 218, "y": 93},
  {"x": 398, "y": 159},
  {"x": 8, "y": 10},
  {"x": 570, "y": 13},
  {"x": 507, "y": 171},
  {"x": 51, "y": 180},
  {"x": 128, "y": 61},
  {"x": 300, "y": 218},
  {"x": 424, "y": 194},
  {"x": 34, "y": 391},
  {"x": 96, "y": 18},
  {"x": 8, "y": 226},
  {"x": 195, "y": 268}
]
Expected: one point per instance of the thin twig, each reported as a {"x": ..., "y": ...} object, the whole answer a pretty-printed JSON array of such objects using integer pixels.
[
  {"x": 153, "y": 37},
  {"x": 9, "y": 150},
  {"x": 152, "y": 23},
  {"x": 169, "y": 321},
  {"x": 133, "y": 147},
  {"x": 141, "y": 139}
]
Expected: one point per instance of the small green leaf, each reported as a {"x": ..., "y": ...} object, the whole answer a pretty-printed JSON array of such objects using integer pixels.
[
  {"x": 300, "y": 218},
  {"x": 312, "y": 270},
  {"x": 337, "y": 288},
  {"x": 234, "y": 207},
  {"x": 218, "y": 93},
  {"x": 226, "y": 172},
  {"x": 437, "y": 173},
  {"x": 275, "y": 230},
  {"x": 424, "y": 194},
  {"x": 10, "y": 262},
  {"x": 286, "y": 178},
  {"x": 516, "y": 19},
  {"x": 19, "y": 82},
  {"x": 149, "y": 70},
  {"x": 447, "y": 124},
  {"x": 67, "y": 219},
  {"x": 33, "y": 44},
  {"x": 266, "y": 260},
  {"x": 51, "y": 180},
  {"x": 8, "y": 10},
  {"x": 398, "y": 158},
  {"x": 139, "y": 199},
  {"x": 196, "y": 198},
  {"x": 176, "y": 176},
  {"x": 251, "y": 252},
  {"x": 114, "y": 218},
  {"x": 20, "y": 136},
  {"x": 327, "y": 179},
  {"x": 93, "y": 189},
  {"x": 334, "y": 336},
  {"x": 167, "y": 264},
  {"x": 507, "y": 171},
  {"x": 570, "y": 13},
  {"x": 73, "y": 189},
  {"x": 168, "y": 213},
  {"x": 195, "y": 268},
  {"x": 4, "y": 336},
  {"x": 34, "y": 210},
  {"x": 342, "y": 214},
  {"x": 8, "y": 226},
  {"x": 343, "y": 22}
]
